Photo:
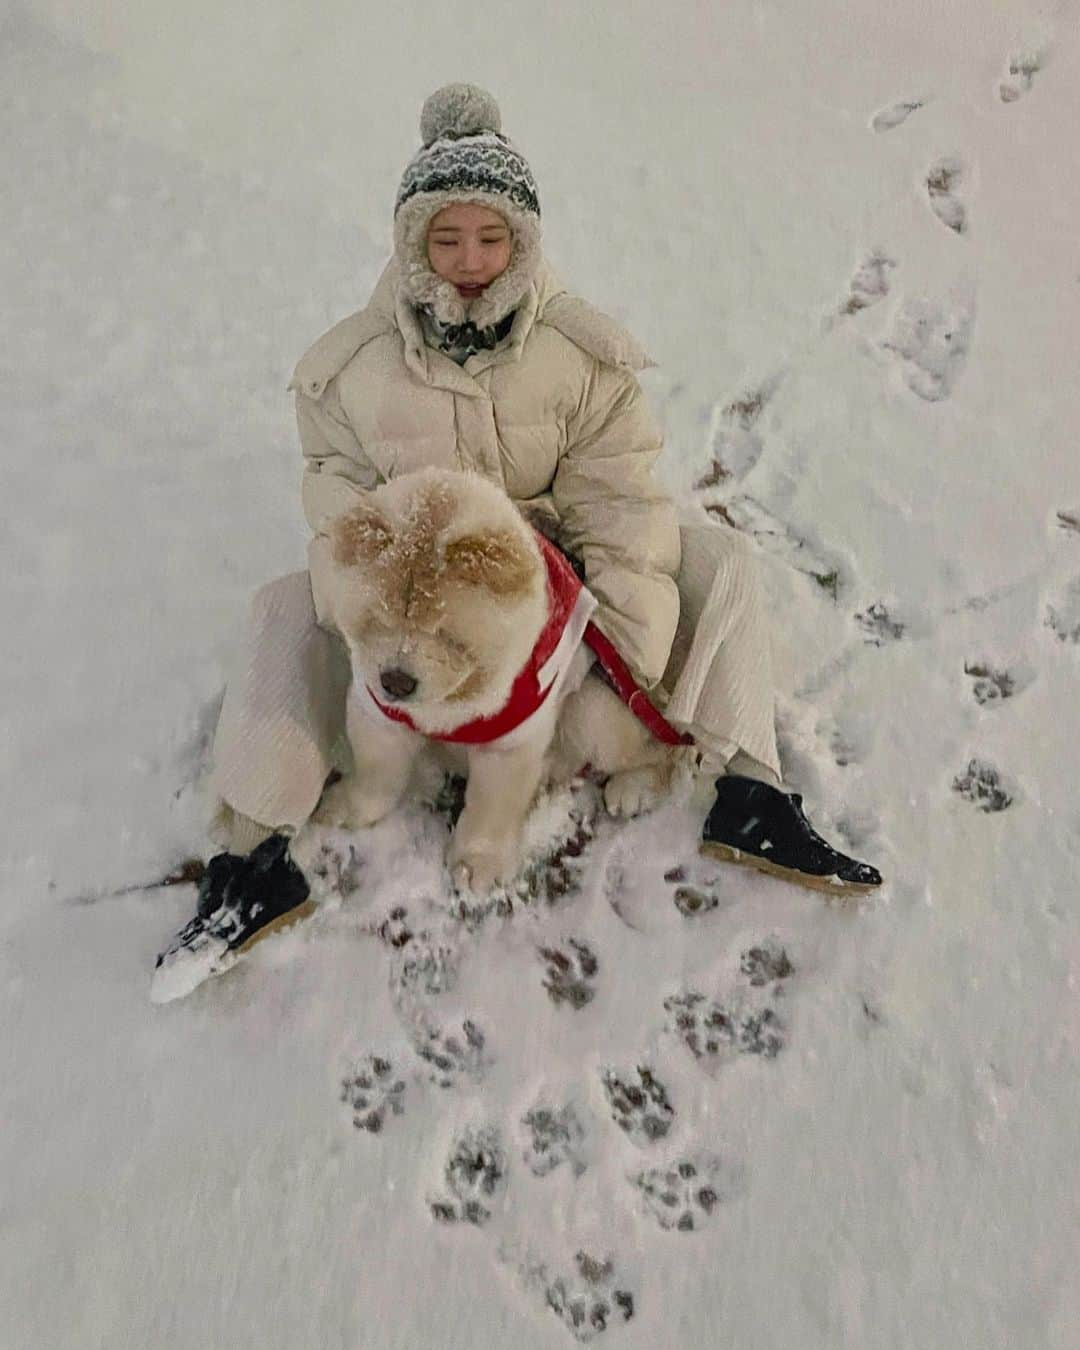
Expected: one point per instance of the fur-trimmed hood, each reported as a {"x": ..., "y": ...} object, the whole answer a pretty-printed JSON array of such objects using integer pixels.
[{"x": 423, "y": 286}]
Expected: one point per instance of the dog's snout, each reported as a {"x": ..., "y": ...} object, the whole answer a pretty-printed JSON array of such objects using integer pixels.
[{"x": 397, "y": 683}]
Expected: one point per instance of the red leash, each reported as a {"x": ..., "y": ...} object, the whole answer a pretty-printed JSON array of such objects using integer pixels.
[{"x": 614, "y": 667}]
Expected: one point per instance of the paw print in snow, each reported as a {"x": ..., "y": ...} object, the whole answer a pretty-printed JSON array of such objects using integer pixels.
[
  {"x": 765, "y": 964},
  {"x": 715, "y": 1032},
  {"x": 571, "y": 972},
  {"x": 589, "y": 1300},
  {"x": 394, "y": 930},
  {"x": 850, "y": 736},
  {"x": 372, "y": 1092},
  {"x": 475, "y": 1176},
  {"x": 424, "y": 967},
  {"x": 336, "y": 868},
  {"x": 690, "y": 901},
  {"x": 557, "y": 874},
  {"x": 640, "y": 1109},
  {"x": 878, "y": 625},
  {"x": 990, "y": 685},
  {"x": 687, "y": 1193},
  {"x": 982, "y": 786},
  {"x": 453, "y": 1054},
  {"x": 556, "y": 1135}
]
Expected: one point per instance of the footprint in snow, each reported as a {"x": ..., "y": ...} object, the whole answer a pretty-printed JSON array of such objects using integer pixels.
[
  {"x": 735, "y": 445},
  {"x": 775, "y": 536},
  {"x": 1069, "y": 520},
  {"x": 1063, "y": 614},
  {"x": 849, "y": 736},
  {"x": 943, "y": 181},
  {"x": 1020, "y": 75},
  {"x": 870, "y": 283},
  {"x": 931, "y": 341},
  {"x": 885, "y": 119}
]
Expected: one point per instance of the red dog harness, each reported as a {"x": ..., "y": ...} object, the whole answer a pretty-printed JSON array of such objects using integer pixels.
[{"x": 570, "y": 606}]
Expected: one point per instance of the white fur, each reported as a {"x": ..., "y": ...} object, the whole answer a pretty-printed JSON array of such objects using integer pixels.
[{"x": 421, "y": 285}]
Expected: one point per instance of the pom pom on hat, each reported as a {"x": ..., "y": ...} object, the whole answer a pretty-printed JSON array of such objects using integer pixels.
[{"x": 458, "y": 110}]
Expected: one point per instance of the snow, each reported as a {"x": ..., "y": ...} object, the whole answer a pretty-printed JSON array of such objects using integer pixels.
[{"x": 771, "y": 195}]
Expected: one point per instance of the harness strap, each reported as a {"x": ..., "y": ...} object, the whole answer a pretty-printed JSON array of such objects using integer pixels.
[{"x": 554, "y": 647}]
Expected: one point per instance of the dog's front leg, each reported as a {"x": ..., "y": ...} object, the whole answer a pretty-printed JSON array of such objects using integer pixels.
[
  {"x": 486, "y": 848},
  {"x": 383, "y": 755}
]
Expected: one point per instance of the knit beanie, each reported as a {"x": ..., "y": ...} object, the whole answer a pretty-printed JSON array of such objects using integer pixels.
[{"x": 465, "y": 158}]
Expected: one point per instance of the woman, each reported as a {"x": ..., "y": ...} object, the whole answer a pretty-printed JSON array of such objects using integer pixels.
[{"x": 472, "y": 355}]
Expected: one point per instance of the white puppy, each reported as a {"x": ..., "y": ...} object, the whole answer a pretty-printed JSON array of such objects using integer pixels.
[{"x": 464, "y": 630}]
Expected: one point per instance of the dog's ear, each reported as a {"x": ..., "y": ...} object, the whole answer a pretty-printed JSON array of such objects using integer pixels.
[
  {"x": 497, "y": 560},
  {"x": 359, "y": 536}
]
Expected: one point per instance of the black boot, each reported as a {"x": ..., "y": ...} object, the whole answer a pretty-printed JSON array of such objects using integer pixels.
[
  {"x": 240, "y": 900},
  {"x": 758, "y": 825}
]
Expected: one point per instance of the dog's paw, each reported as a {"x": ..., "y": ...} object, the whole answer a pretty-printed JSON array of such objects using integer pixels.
[
  {"x": 634, "y": 791},
  {"x": 481, "y": 865},
  {"x": 349, "y": 805}
]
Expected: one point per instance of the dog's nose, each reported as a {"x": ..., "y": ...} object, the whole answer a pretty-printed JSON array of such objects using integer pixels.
[{"x": 397, "y": 683}]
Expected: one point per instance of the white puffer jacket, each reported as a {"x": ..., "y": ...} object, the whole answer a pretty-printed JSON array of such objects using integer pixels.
[{"x": 555, "y": 416}]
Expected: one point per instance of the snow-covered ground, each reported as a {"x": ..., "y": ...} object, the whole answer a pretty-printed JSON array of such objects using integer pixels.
[{"x": 848, "y": 234}]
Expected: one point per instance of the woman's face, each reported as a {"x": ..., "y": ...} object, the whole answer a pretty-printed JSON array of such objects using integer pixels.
[{"x": 469, "y": 245}]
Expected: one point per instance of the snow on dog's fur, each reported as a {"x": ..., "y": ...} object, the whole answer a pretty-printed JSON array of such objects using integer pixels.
[{"x": 439, "y": 589}]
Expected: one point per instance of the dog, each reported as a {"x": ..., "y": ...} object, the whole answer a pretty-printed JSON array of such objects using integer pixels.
[{"x": 464, "y": 629}]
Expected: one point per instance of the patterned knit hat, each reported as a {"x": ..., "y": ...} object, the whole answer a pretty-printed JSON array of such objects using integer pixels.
[{"x": 465, "y": 158}]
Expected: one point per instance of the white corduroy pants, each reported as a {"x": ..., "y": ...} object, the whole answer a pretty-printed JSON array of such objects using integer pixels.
[{"x": 285, "y": 707}]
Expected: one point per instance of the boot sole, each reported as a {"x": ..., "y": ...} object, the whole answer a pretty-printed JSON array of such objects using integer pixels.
[
  {"x": 827, "y": 885},
  {"x": 278, "y": 925}
]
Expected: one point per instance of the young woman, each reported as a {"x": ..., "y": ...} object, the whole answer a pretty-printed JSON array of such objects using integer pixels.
[{"x": 472, "y": 355}]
